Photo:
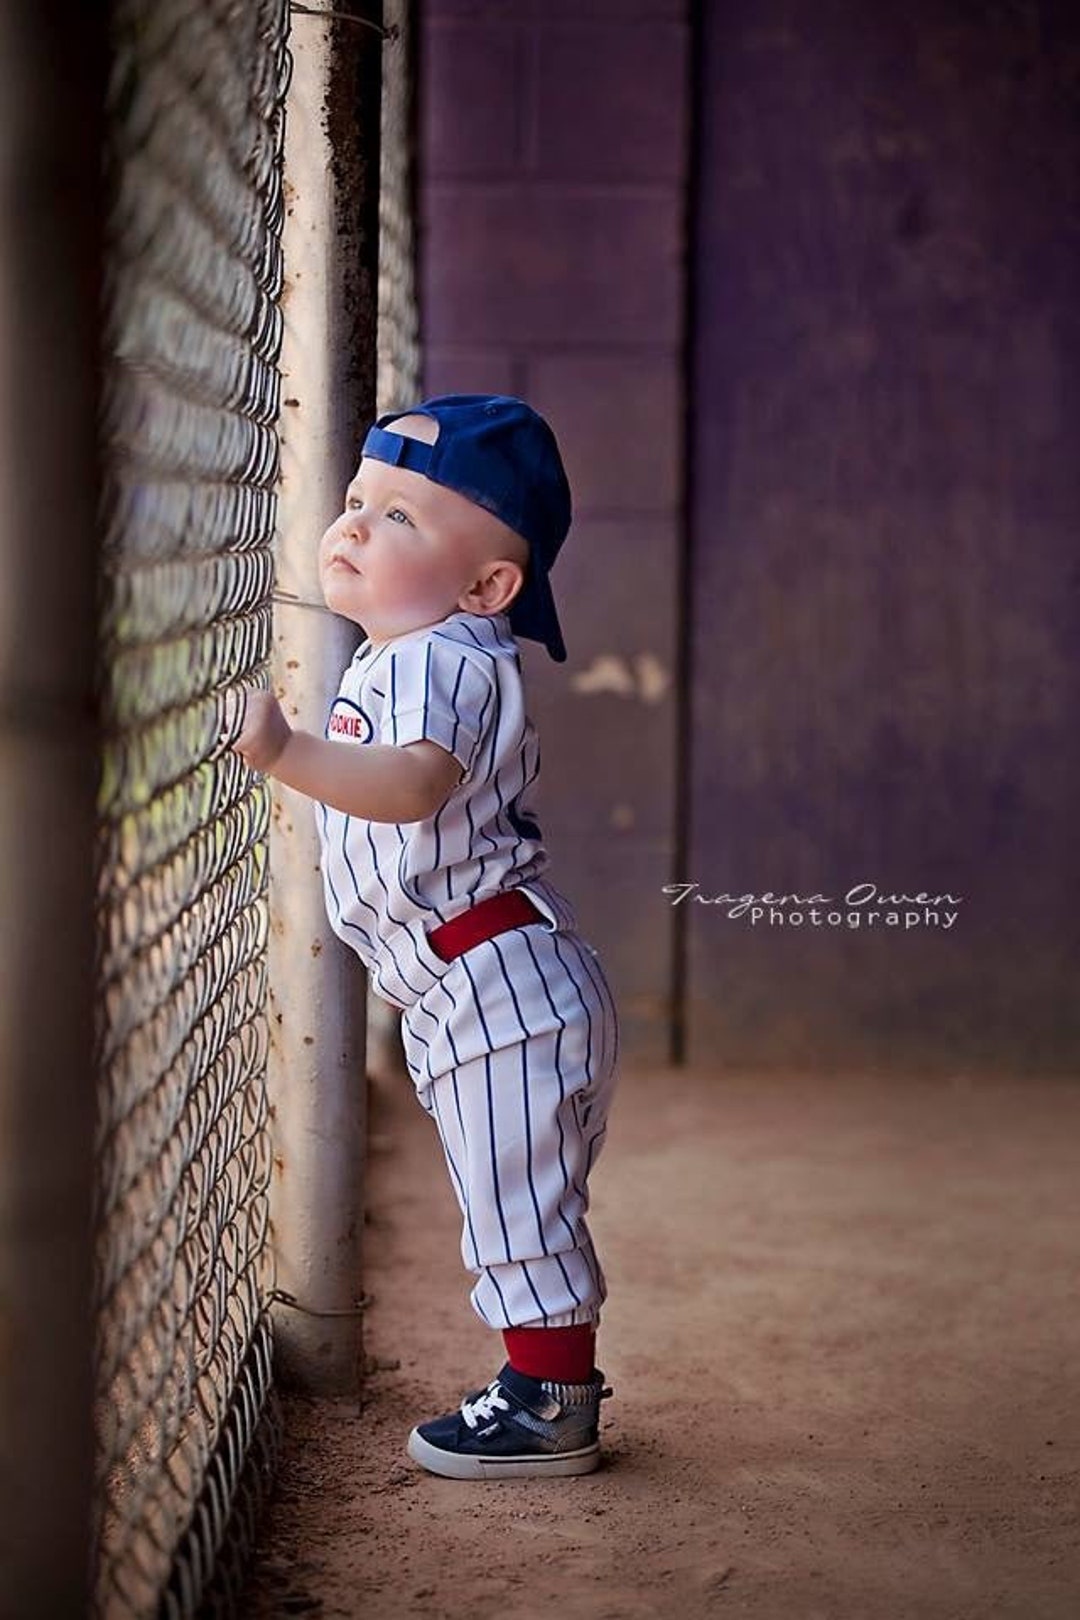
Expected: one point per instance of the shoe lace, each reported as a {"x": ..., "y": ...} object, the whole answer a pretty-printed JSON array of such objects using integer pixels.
[{"x": 484, "y": 1406}]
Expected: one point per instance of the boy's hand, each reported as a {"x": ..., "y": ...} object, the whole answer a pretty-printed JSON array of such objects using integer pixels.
[{"x": 264, "y": 730}]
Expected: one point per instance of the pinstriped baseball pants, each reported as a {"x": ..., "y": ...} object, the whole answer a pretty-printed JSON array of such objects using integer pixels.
[{"x": 523, "y": 1120}]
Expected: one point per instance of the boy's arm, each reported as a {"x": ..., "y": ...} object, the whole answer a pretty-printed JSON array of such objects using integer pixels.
[{"x": 378, "y": 781}]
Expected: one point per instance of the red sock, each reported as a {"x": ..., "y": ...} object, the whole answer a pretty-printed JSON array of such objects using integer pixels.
[{"x": 564, "y": 1354}]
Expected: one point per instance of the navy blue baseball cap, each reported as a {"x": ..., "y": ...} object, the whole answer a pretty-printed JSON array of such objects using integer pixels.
[{"x": 499, "y": 452}]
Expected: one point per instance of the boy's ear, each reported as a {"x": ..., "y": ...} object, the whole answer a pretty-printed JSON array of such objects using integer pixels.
[{"x": 494, "y": 589}]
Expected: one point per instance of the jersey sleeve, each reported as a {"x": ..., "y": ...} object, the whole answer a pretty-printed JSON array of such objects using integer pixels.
[{"x": 435, "y": 690}]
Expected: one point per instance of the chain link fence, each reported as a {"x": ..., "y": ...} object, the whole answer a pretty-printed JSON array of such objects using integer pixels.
[
  {"x": 398, "y": 348},
  {"x": 186, "y": 1421}
]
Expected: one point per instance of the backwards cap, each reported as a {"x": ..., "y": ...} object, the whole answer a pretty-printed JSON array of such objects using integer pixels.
[{"x": 499, "y": 452}]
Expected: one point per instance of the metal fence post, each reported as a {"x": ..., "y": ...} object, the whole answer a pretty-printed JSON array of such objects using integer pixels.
[
  {"x": 50, "y": 198},
  {"x": 318, "y": 989}
]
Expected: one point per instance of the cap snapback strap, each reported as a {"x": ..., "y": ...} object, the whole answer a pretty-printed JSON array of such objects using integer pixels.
[{"x": 412, "y": 454}]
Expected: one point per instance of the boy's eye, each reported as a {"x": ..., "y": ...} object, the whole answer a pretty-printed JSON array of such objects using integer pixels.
[{"x": 355, "y": 502}]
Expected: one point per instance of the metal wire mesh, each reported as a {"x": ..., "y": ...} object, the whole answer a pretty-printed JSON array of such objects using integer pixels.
[
  {"x": 398, "y": 330},
  {"x": 186, "y": 1422}
]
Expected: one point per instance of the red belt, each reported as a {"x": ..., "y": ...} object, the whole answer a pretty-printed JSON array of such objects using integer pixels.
[{"x": 510, "y": 909}]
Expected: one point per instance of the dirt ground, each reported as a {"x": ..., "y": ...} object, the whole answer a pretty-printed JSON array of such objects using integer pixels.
[{"x": 844, "y": 1336}]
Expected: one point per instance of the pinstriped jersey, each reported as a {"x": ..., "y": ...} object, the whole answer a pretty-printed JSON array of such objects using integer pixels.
[{"x": 458, "y": 683}]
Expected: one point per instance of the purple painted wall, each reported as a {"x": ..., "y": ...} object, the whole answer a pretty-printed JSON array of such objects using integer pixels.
[
  {"x": 885, "y": 516},
  {"x": 553, "y": 151},
  {"x": 877, "y": 669}
]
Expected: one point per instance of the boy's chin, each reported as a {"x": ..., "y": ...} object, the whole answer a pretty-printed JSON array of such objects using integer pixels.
[{"x": 338, "y": 602}]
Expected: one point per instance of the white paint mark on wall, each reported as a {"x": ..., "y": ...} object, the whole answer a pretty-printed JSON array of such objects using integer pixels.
[
  {"x": 606, "y": 673},
  {"x": 653, "y": 678},
  {"x": 644, "y": 678}
]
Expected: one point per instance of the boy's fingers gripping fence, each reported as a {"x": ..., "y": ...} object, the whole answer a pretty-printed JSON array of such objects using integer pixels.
[{"x": 231, "y": 710}]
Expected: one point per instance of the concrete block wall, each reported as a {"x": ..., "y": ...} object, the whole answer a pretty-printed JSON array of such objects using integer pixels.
[{"x": 552, "y": 196}]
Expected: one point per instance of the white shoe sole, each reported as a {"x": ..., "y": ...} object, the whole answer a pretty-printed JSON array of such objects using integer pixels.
[{"x": 452, "y": 1465}]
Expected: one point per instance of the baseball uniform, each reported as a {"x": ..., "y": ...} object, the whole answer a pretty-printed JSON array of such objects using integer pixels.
[{"x": 512, "y": 1046}]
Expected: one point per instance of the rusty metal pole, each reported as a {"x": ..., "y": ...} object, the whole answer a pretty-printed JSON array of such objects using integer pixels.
[
  {"x": 318, "y": 988},
  {"x": 50, "y": 256}
]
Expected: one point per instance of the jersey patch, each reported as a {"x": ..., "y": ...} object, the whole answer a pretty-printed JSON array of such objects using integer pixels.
[{"x": 348, "y": 723}]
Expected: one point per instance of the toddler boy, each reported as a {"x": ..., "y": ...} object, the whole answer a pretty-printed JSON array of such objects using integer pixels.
[{"x": 433, "y": 869}]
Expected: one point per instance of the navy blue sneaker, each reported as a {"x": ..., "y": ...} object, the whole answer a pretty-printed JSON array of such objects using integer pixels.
[{"x": 517, "y": 1428}]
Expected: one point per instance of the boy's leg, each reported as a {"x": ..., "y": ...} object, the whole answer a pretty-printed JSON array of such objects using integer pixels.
[
  {"x": 519, "y": 1153},
  {"x": 521, "y": 1129}
]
